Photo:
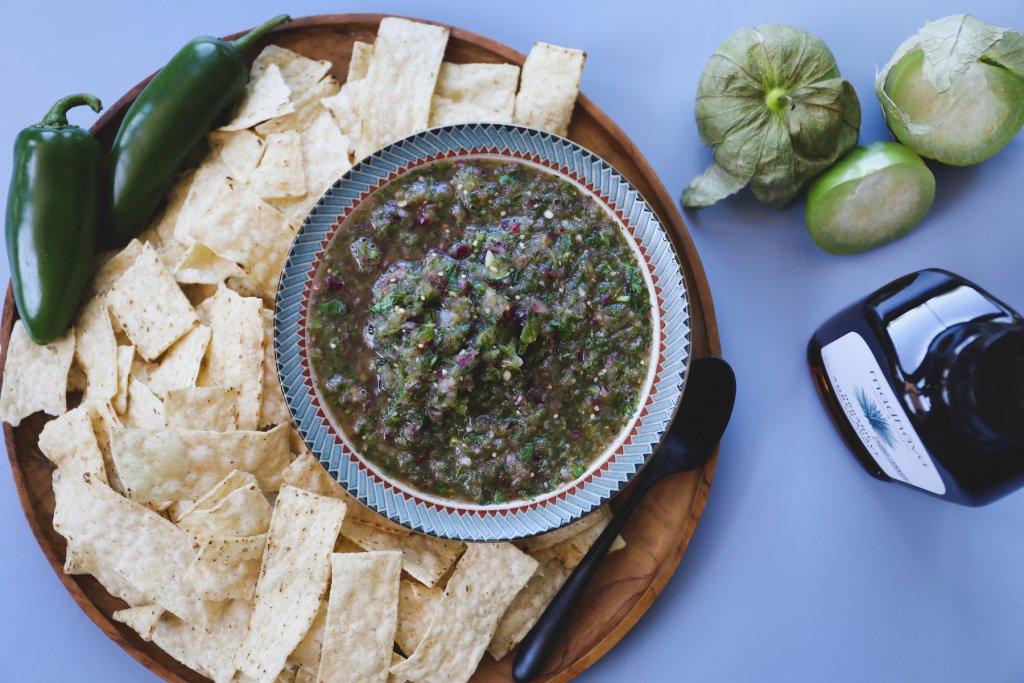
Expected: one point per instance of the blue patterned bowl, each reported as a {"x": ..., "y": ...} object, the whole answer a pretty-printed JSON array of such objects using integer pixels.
[{"x": 670, "y": 351}]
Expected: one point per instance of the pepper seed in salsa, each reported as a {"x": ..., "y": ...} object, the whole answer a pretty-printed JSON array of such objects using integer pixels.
[{"x": 480, "y": 329}]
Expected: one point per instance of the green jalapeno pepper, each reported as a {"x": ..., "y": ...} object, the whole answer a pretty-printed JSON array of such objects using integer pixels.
[
  {"x": 168, "y": 118},
  {"x": 52, "y": 209}
]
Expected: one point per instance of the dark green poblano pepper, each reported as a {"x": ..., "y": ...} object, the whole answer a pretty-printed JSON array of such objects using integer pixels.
[
  {"x": 52, "y": 208},
  {"x": 168, "y": 118}
]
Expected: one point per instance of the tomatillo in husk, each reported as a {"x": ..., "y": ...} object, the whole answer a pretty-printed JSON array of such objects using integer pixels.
[
  {"x": 954, "y": 91},
  {"x": 772, "y": 104}
]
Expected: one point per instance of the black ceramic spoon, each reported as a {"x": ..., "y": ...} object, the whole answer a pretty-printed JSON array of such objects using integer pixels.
[{"x": 699, "y": 424}]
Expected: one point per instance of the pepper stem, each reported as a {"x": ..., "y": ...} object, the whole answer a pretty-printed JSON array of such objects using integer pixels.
[
  {"x": 246, "y": 41},
  {"x": 58, "y": 114}
]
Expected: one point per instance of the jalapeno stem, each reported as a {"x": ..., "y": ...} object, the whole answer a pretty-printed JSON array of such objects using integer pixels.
[
  {"x": 58, "y": 114},
  {"x": 246, "y": 41}
]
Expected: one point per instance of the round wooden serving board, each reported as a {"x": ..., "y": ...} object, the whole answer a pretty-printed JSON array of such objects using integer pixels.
[{"x": 662, "y": 526}]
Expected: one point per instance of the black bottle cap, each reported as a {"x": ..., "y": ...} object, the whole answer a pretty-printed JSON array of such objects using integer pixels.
[{"x": 983, "y": 382}]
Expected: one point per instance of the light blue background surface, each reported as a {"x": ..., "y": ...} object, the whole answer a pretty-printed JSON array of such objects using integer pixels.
[{"x": 803, "y": 568}]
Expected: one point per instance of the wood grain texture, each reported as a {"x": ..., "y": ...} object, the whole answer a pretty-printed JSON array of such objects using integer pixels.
[{"x": 661, "y": 528}]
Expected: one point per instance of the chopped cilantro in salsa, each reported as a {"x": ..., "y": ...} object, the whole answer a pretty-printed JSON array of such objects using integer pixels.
[{"x": 481, "y": 330}]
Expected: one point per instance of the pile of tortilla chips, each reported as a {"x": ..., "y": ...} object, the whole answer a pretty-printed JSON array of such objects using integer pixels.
[{"x": 180, "y": 483}]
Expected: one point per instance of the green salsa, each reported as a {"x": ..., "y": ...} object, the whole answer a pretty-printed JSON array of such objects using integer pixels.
[{"x": 480, "y": 329}]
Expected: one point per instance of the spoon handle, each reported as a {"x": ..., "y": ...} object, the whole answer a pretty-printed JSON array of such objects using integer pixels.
[{"x": 538, "y": 643}]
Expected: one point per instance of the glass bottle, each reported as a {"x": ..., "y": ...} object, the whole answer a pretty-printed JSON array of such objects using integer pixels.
[{"x": 925, "y": 381}]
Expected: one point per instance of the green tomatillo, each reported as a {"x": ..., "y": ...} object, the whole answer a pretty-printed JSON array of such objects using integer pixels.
[
  {"x": 773, "y": 106},
  {"x": 872, "y": 195},
  {"x": 954, "y": 91}
]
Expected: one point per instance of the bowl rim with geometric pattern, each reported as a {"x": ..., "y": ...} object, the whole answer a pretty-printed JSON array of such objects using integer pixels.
[{"x": 611, "y": 470}]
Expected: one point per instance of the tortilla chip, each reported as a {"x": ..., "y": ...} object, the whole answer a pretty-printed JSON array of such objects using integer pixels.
[
  {"x": 598, "y": 518},
  {"x": 474, "y": 92},
  {"x": 325, "y": 154},
  {"x": 235, "y": 356},
  {"x": 35, "y": 377},
  {"x": 206, "y": 190},
  {"x": 197, "y": 296},
  {"x": 200, "y": 263},
  {"x": 396, "y": 659},
  {"x": 160, "y": 232},
  {"x": 344, "y": 545},
  {"x": 227, "y": 568},
  {"x": 299, "y": 73},
  {"x": 179, "y": 367},
  {"x": 266, "y": 96},
  {"x": 161, "y": 465},
  {"x": 556, "y": 564},
  {"x": 76, "y": 562},
  {"x": 239, "y": 150},
  {"x": 104, "y": 420},
  {"x": 153, "y": 557},
  {"x": 125, "y": 356},
  {"x": 362, "y": 614},
  {"x": 210, "y": 653},
  {"x": 548, "y": 88},
  {"x": 400, "y": 82},
  {"x": 113, "y": 581},
  {"x": 241, "y": 512},
  {"x": 359, "y": 64},
  {"x": 201, "y": 266},
  {"x": 273, "y": 408},
  {"x": 425, "y": 558},
  {"x": 267, "y": 257},
  {"x": 142, "y": 619},
  {"x": 76, "y": 378},
  {"x": 325, "y": 159},
  {"x": 416, "y": 605},
  {"x": 178, "y": 508},
  {"x": 280, "y": 172},
  {"x": 292, "y": 581},
  {"x": 571, "y": 550},
  {"x": 111, "y": 266},
  {"x": 73, "y": 561},
  {"x": 306, "y": 473},
  {"x": 145, "y": 409},
  {"x": 214, "y": 199},
  {"x": 211, "y": 408},
  {"x": 307, "y": 107},
  {"x": 529, "y": 603},
  {"x": 170, "y": 251},
  {"x": 235, "y": 479},
  {"x": 150, "y": 306},
  {"x": 69, "y": 442},
  {"x": 96, "y": 350},
  {"x": 346, "y": 108},
  {"x": 239, "y": 226},
  {"x": 484, "y": 584},
  {"x": 307, "y": 653}
]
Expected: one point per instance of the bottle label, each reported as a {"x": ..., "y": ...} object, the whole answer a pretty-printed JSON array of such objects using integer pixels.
[{"x": 876, "y": 416}]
